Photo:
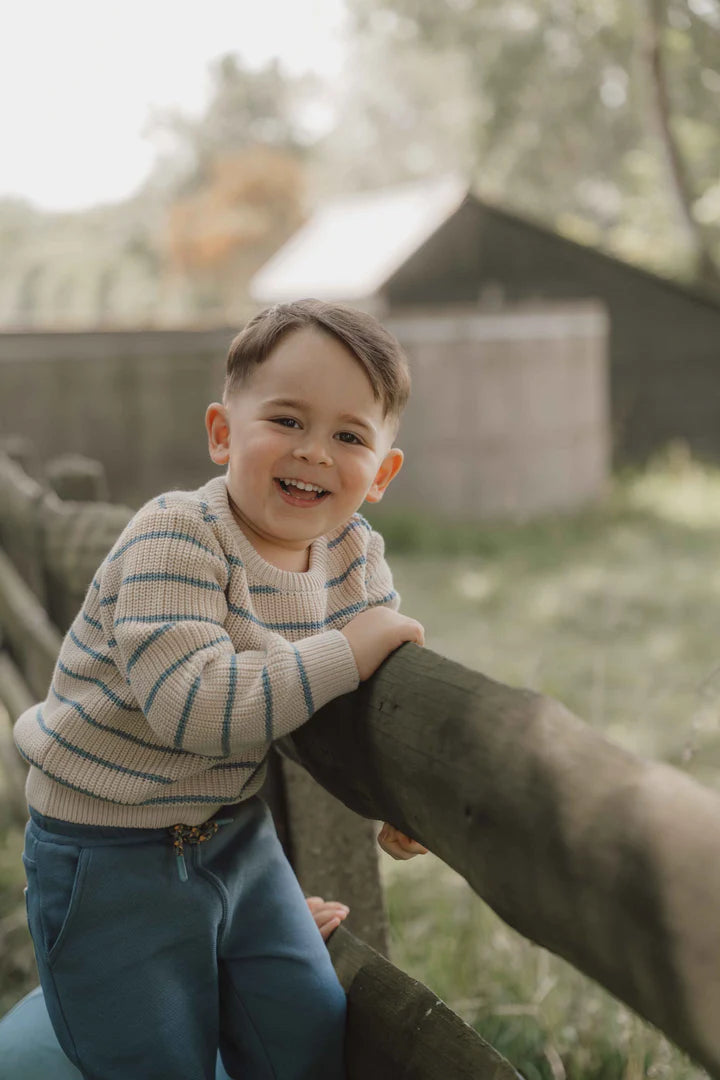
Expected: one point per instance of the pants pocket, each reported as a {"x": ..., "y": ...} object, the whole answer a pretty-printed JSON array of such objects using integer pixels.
[{"x": 55, "y": 876}]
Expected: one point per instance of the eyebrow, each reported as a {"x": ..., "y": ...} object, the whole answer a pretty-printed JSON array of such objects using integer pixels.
[{"x": 296, "y": 403}]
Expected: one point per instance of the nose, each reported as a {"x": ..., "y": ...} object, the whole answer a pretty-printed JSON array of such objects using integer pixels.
[{"x": 313, "y": 450}]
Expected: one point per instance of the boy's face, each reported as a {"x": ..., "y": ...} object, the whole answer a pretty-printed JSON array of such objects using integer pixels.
[{"x": 307, "y": 414}]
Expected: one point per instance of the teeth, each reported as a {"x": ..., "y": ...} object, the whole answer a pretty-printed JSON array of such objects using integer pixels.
[{"x": 303, "y": 486}]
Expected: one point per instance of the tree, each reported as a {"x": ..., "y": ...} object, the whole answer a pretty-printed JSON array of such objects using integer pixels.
[
  {"x": 247, "y": 107},
  {"x": 557, "y": 112}
]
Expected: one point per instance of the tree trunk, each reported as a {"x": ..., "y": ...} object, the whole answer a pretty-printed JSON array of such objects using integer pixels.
[{"x": 706, "y": 267}]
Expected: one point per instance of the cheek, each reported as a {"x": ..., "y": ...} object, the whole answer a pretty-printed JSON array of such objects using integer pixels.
[
  {"x": 261, "y": 448},
  {"x": 359, "y": 474}
]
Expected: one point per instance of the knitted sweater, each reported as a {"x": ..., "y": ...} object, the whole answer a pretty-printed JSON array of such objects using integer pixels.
[{"x": 189, "y": 656}]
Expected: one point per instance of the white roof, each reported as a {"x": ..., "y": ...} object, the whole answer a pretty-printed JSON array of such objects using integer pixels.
[{"x": 350, "y": 247}]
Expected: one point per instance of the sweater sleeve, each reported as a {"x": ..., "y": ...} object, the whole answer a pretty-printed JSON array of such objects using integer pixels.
[
  {"x": 162, "y": 594},
  {"x": 378, "y": 576}
]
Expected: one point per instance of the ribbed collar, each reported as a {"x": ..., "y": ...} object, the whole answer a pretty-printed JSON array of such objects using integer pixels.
[{"x": 258, "y": 570}]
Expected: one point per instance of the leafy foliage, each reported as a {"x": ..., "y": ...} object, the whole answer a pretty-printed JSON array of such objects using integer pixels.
[{"x": 554, "y": 105}]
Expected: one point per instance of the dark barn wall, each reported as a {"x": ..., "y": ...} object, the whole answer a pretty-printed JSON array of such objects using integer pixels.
[
  {"x": 134, "y": 400},
  {"x": 664, "y": 340}
]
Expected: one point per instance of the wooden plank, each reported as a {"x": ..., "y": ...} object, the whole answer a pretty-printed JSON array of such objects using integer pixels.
[
  {"x": 14, "y": 698},
  {"x": 21, "y": 502},
  {"x": 77, "y": 536},
  {"x": 399, "y": 1030},
  {"x": 608, "y": 860},
  {"x": 30, "y": 636}
]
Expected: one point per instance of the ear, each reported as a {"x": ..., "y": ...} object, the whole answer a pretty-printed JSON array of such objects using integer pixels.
[
  {"x": 391, "y": 465},
  {"x": 218, "y": 429}
]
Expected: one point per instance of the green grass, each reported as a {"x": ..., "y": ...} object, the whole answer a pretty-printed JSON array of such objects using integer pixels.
[{"x": 613, "y": 611}]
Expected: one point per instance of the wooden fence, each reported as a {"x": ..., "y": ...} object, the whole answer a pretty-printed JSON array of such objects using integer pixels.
[{"x": 608, "y": 860}]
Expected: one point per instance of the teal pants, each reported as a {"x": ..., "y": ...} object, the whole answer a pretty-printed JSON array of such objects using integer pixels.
[
  {"x": 148, "y": 972},
  {"x": 29, "y": 1049}
]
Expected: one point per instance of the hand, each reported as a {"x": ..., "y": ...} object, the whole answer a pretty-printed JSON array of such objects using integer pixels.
[
  {"x": 328, "y": 914},
  {"x": 375, "y": 633},
  {"x": 397, "y": 844}
]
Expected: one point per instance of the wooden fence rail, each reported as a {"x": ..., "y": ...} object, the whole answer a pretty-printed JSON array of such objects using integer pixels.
[{"x": 611, "y": 861}]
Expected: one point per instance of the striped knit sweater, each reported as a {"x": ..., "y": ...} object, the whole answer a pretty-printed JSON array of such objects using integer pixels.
[{"x": 189, "y": 656}]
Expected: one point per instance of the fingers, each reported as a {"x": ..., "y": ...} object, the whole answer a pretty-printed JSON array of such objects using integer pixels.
[
  {"x": 328, "y": 914},
  {"x": 415, "y": 631},
  {"x": 397, "y": 844}
]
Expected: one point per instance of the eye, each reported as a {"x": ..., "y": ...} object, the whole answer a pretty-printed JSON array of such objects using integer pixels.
[
  {"x": 349, "y": 437},
  {"x": 285, "y": 421}
]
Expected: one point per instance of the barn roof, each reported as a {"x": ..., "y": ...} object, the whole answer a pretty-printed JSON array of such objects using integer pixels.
[{"x": 350, "y": 246}]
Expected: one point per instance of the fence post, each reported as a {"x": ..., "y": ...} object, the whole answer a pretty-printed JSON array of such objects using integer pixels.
[{"x": 76, "y": 478}]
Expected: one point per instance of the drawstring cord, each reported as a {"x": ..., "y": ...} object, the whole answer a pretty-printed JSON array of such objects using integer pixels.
[{"x": 192, "y": 834}]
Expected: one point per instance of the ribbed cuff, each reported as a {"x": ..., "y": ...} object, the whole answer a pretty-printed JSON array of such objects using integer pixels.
[{"x": 330, "y": 666}]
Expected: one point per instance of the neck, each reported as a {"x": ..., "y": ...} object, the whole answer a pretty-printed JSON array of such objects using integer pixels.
[{"x": 296, "y": 560}]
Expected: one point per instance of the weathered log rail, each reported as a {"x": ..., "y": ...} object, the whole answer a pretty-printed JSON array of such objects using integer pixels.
[
  {"x": 611, "y": 861},
  {"x": 397, "y": 1028}
]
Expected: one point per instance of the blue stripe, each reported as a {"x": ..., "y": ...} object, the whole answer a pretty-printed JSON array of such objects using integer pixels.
[
  {"x": 169, "y": 799},
  {"x": 207, "y": 516},
  {"x": 305, "y": 683},
  {"x": 161, "y": 501},
  {"x": 87, "y": 756},
  {"x": 161, "y": 534},
  {"x": 135, "y": 739},
  {"x": 204, "y": 798},
  {"x": 93, "y": 622},
  {"x": 351, "y": 609},
  {"x": 146, "y": 645},
  {"x": 386, "y": 599},
  {"x": 111, "y": 643},
  {"x": 154, "y": 801},
  {"x": 146, "y": 802},
  {"x": 262, "y": 590},
  {"x": 162, "y": 575},
  {"x": 95, "y": 583},
  {"x": 65, "y": 783},
  {"x": 171, "y": 615},
  {"x": 86, "y": 649},
  {"x": 182, "y": 725},
  {"x": 232, "y": 683},
  {"x": 173, "y": 668},
  {"x": 267, "y": 691},
  {"x": 233, "y": 560},
  {"x": 228, "y": 765},
  {"x": 355, "y": 523},
  {"x": 309, "y": 627},
  {"x": 106, "y": 601},
  {"x": 360, "y": 561},
  {"x": 128, "y": 706}
]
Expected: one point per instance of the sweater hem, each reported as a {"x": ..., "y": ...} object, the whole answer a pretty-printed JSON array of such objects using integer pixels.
[{"x": 54, "y": 800}]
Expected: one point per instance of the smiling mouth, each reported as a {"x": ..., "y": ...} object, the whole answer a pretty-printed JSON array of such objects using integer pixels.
[{"x": 300, "y": 496}]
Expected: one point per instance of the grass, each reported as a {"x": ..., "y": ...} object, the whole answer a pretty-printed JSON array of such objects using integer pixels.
[{"x": 614, "y": 612}]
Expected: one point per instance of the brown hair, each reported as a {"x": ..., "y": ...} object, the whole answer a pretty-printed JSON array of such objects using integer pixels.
[{"x": 371, "y": 344}]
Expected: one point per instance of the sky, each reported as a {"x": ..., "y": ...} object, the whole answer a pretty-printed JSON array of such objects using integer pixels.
[{"x": 79, "y": 80}]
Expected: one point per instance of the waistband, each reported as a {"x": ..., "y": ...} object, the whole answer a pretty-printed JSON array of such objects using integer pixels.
[{"x": 99, "y": 833}]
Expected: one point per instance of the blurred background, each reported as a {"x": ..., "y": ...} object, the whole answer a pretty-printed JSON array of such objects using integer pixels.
[{"x": 528, "y": 195}]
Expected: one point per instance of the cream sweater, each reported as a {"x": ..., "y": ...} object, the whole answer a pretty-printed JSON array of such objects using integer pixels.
[{"x": 189, "y": 656}]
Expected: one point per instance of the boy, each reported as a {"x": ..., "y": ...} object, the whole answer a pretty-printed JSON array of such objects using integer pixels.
[{"x": 165, "y": 919}]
